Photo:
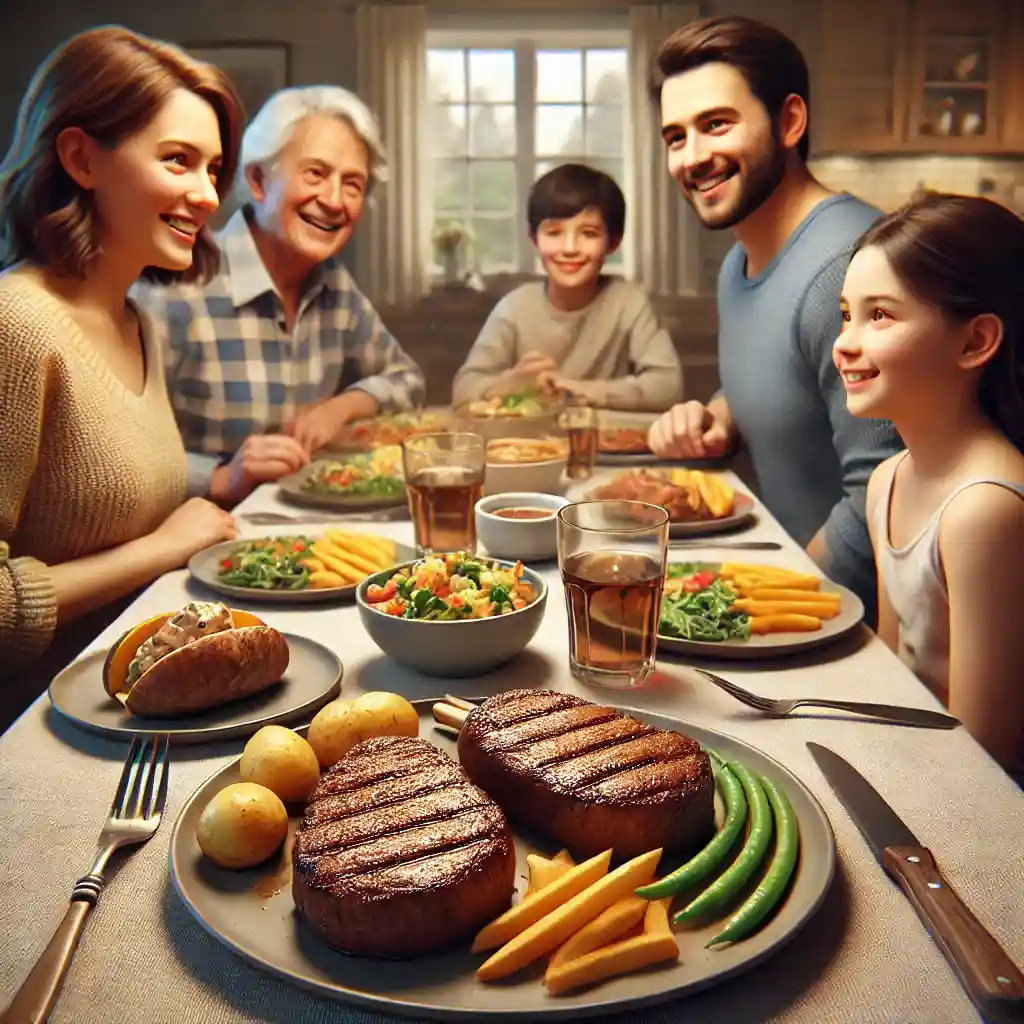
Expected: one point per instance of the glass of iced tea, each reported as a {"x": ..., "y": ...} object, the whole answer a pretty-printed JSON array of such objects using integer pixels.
[
  {"x": 612, "y": 556},
  {"x": 580, "y": 425},
  {"x": 444, "y": 475}
]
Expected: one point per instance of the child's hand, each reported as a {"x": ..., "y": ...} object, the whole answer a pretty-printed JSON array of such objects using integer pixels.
[
  {"x": 533, "y": 364},
  {"x": 589, "y": 391}
]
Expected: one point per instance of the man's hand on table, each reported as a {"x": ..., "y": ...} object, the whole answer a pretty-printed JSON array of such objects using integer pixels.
[
  {"x": 691, "y": 430},
  {"x": 315, "y": 427},
  {"x": 262, "y": 458}
]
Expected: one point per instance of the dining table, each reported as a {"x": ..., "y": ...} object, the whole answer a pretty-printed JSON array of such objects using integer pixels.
[{"x": 862, "y": 957}]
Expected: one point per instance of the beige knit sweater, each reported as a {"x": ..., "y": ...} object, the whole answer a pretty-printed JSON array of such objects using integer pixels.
[{"x": 85, "y": 464}]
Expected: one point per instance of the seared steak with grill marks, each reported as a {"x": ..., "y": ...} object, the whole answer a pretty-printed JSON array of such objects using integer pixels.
[
  {"x": 398, "y": 854},
  {"x": 589, "y": 777}
]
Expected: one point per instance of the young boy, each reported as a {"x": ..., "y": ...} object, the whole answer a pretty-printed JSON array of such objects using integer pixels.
[{"x": 580, "y": 331}]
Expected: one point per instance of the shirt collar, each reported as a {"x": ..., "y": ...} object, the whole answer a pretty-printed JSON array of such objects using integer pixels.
[{"x": 248, "y": 277}]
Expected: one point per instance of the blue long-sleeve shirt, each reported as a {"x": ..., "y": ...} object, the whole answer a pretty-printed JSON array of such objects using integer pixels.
[{"x": 776, "y": 331}]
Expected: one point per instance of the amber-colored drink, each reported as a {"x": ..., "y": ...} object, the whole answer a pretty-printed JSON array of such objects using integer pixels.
[
  {"x": 613, "y": 600},
  {"x": 582, "y": 451},
  {"x": 441, "y": 502}
]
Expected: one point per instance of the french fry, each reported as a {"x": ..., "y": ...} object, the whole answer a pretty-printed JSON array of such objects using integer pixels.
[
  {"x": 367, "y": 566},
  {"x": 335, "y": 564},
  {"x": 610, "y": 961},
  {"x": 324, "y": 578},
  {"x": 752, "y": 583},
  {"x": 550, "y": 931},
  {"x": 543, "y": 871},
  {"x": 786, "y": 594},
  {"x": 312, "y": 564},
  {"x": 656, "y": 917},
  {"x": 790, "y": 623},
  {"x": 611, "y": 924},
  {"x": 758, "y": 609},
  {"x": 523, "y": 915},
  {"x": 380, "y": 548}
]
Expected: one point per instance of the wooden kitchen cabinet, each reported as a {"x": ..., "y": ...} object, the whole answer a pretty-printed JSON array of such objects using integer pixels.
[{"x": 939, "y": 76}]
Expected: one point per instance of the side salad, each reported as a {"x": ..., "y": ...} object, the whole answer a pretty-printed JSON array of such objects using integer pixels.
[
  {"x": 698, "y": 605},
  {"x": 447, "y": 588},
  {"x": 375, "y": 475},
  {"x": 271, "y": 563}
]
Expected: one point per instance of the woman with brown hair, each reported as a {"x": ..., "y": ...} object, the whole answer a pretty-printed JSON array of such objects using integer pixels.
[
  {"x": 122, "y": 149},
  {"x": 933, "y": 332}
]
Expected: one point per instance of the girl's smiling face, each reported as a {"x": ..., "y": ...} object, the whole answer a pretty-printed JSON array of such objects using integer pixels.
[{"x": 897, "y": 355}]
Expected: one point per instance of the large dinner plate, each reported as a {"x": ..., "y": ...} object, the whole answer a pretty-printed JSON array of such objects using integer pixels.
[
  {"x": 292, "y": 490},
  {"x": 742, "y": 516},
  {"x": 252, "y": 913},
  {"x": 772, "y": 645},
  {"x": 312, "y": 679},
  {"x": 204, "y": 566}
]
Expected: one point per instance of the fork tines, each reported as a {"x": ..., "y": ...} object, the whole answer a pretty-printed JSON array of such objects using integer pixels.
[
  {"x": 142, "y": 790},
  {"x": 743, "y": 696}
]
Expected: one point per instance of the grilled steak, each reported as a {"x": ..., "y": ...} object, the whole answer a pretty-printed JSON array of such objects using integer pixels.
[
  {"x": 589, "y": 777},
  {"x": 398, "y": 854}
]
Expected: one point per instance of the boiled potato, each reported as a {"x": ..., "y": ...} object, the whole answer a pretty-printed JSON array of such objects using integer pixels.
[
  {"x": 242, "y": 825},
  {"x": 281, "y": 760},
  {"x": 338, "y": 726},
  {"x": 390, "y": 714}
]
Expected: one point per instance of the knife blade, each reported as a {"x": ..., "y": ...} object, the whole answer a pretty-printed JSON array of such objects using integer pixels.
[{"x": 988, "y": 975}]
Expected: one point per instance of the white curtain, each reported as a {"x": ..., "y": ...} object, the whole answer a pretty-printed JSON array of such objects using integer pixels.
[
  {"x": 666, "y": 232},
  {"x": 391, "y": 74}
]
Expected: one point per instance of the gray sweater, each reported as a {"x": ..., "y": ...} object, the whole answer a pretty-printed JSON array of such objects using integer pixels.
[
  {"x": 615, "y": 338},
  {"x": 776, "y": 332}
]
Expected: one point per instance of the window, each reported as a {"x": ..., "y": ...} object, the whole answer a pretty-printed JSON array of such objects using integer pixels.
[{"x": 502, "y": 115}]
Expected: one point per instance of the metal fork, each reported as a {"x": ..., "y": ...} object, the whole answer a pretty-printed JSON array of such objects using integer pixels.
[
  {"x": 134, "y": 817},
  {"x": 883, "y": 712},
  {"x": 741, "y": 545}
]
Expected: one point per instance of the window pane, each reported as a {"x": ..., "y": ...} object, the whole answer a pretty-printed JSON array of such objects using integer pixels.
[
  {"x": 492, "y": 186},
  {"x": 492, "y": 76},
  {"x": 606, "y": 76},
  {"x": 492, "y": 130},
  {"x": 559, "y": 76},
  {"x": 451, "y": 185},
  {"x": 495, "y": 245},
  {"x": 446, "y": 76},
  {"x": 446, "y": 134},
  {"x": 605, "y": 131},
  {"x": 559, "y": 130}
]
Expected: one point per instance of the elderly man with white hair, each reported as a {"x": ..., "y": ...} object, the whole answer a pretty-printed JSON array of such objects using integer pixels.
[{"x": 281, "y": 349}]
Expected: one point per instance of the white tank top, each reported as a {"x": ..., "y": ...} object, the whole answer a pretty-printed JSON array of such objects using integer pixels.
[{"x": 916, "y": 587}]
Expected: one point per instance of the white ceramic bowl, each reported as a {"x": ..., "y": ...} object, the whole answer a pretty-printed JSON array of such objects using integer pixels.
[
  {"x": 466, "y": 647},
  {"x": 543, "y": 475},
  {"x": 531, "y": 540}
]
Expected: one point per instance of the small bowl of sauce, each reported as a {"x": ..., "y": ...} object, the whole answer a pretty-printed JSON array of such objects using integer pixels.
[{"x": 519, "y": 525}]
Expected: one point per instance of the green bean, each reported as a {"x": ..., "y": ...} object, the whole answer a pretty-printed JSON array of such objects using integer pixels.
[
  {"x": 760, "y": 902},
  {"x": 747, "y": 860},
  {"x": 703, "y": 863}
]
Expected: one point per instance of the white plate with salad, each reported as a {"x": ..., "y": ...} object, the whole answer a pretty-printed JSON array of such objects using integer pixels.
[
  {"x": 370, "y": 480},
  {"x": 744, "y": 610},
  {"x": 297, "y": 569}
]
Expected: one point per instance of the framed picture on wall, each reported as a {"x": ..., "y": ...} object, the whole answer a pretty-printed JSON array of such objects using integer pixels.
[{"x": 257, "y": 70}]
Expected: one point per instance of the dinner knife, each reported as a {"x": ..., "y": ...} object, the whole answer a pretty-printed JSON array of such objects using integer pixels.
[{"x": 989, "y": 976}]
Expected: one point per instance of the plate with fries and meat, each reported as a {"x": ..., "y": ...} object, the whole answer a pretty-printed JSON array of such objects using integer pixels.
[
  {"x": 697, "y": 502},
  {"x": 296, "y": 569},
  {"x": 745, "y": 610}
]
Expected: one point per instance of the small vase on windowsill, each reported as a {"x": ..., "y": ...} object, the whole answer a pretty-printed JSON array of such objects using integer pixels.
[{"x": 450, "y": 269}]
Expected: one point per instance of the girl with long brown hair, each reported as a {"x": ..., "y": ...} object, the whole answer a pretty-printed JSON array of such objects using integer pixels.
[
  {"x": 932, "y": 339},
  {"x": 122, "y": 149}
]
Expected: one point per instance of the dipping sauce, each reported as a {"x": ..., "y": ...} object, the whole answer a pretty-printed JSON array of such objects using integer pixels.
[{"x": 524, "y": 513}]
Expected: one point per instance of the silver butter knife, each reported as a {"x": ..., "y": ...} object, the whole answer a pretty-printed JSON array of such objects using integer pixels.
[
  {"x": 988, "y": 975},
  {"x": 736, "y": 545}
]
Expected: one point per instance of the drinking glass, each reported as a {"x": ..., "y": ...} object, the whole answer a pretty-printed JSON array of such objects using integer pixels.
[
  {"x": 444, "y": 475},
  {"x": 580, "y": 425},
  {"x": 612, "y": 556}
]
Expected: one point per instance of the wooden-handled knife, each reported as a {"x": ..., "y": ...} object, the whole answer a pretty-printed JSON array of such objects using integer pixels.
[{"x": 990, "y": 977}]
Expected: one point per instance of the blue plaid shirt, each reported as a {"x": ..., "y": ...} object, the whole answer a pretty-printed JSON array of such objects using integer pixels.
[{"x": 233, "y": 369}]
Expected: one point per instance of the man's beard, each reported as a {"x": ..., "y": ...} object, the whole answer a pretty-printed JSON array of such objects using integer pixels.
[{"x": 756, "y": 187}]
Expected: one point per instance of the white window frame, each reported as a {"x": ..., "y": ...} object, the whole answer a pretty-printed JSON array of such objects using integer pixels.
[{"x": 611, "y": 35}]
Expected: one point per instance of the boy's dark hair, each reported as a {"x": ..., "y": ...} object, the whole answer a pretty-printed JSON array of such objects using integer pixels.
[
  {"x": 770, "y": 61},
  {"x": 964, "y": 255},
  {"x": 570, "y": 189}
]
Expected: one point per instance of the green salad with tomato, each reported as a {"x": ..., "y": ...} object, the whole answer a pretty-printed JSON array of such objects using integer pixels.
[
  {"x": 697, "y": 605},
  {"x": 447, "y": 588},
  {"x": 270, "y": 563}
]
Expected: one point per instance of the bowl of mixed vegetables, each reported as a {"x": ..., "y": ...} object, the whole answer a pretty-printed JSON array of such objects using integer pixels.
[{"x": 452, "y": 614}]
